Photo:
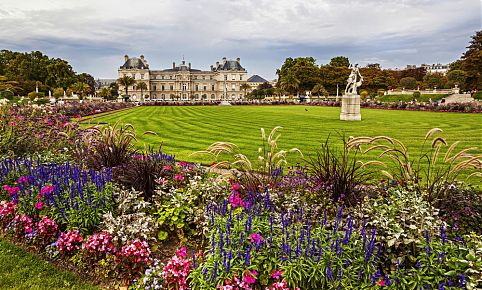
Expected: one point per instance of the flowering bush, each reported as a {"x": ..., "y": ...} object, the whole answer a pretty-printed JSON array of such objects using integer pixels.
[
  {"x": 7, "y": 213},
  {"x": 22, "y": 225},
  {"x": 98, "y": 245},
  {"x": 47, "y": 230},
  {"x": 132, "y": 259},
  {"x": 69, "y": 242},
  {"x": 249, "y": 245},
  {"x": 176, "y": 271}
]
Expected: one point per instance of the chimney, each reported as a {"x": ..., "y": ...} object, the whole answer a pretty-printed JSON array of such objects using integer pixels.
[
  {"x": 211, "y": 67},
  {"x": 126, "y": 57},
  {"x": 224, "y": 59},
  {"x": 173, "y": 65},
  {"x": 238, "y": 60},
  {"x": 189, "y": 65},
  {"x": 142, "y": 57},
  {"x": 217, "y": 64}
]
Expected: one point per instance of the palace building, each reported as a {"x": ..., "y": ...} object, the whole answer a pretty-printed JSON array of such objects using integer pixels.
[{"x": 223, "y": 81}]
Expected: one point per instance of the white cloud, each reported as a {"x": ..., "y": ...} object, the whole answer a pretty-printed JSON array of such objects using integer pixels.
[{"x": 251, "y": 28}]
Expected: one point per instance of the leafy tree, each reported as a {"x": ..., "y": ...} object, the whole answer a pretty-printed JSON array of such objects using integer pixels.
[
  {"x": 333, "y": 76},
  {"x": 340, "y": 61},
  {"x": 114, "y": 89},
  {"x": 105, "y": 93},
  {"x": 472, "y": 60},
  {"x": 290, "y": 84},
  {"x": 11, "y": 86},
  {"x": 58, "y": 93},
  {"x": 408, "y": 83},
  {"x": 142, "y": 86},
  {"x": 87, "y": 79},
  {"x": 60, "y": 74},
  {"x": 303, "y": 69},
  {"x": 457, "y": 77},
  {"x": 245, "y": 87},
  {"x": 80, "y": 89},
  {"x": 319, "y": 89},
  {"x": 126, "y": 81},
  {"x": 433, "y": 80}
]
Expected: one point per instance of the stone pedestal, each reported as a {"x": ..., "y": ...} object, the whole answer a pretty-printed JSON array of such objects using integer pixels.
[{"x": 350, "y": 108}]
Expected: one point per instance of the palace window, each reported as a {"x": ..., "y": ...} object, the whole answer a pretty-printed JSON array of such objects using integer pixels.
[
  {"x": 226, "y": 77},
  {"x": 184, "y": 87},
  {"x": 233, "y": 77},
  {"x": 204, "y": 77},
  {"x": 233, "y": 87},
  {"x": 197, "y": 87},
  {"x": 142, "y": 76},
  {"x": 171, "y": 87},
  {"x": 204, "y": 88},
  {"x": 211, "y": 77},
  {"x": 154, "y": 87},
  {"x": 240, "y": 77},
  {"x": 212, "y": 87},
  {"x": 170, "y": 77}
]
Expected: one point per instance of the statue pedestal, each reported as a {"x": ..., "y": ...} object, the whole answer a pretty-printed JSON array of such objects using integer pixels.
[{"x": 350, "y": 108}]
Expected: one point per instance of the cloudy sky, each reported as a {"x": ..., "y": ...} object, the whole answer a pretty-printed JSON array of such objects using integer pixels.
[{"x": 94, "y": 35}]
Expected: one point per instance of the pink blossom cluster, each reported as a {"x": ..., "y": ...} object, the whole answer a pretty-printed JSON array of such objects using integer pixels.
[
  {"x": 99, "y": 243},
  {"x": 22, "y": 180},
  {"x": 249, "y": 279},
  {"x": 283, "y": 285},
  {"x": 11, "y": 190},
  {"x": 177, "y": 269},
  {"x": 23, "y": 224},
  {"x": 7, "y": 209},
  {"x": 256, "y": 238},
  {"x": 47, "y": 227},
  {"x": 46, "y": 189},
  {"x": 69, "y": 241},
  {"x": 136, "y": 251},
  {"x": 234, "y": 199}
]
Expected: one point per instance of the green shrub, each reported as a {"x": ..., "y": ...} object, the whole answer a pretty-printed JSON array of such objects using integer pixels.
[
  {"x": 416, "y": 95},
  {"x": 363, "y": 94},
  {"x": 478, "y": 95},
  {"x": 381, "y": 93}
]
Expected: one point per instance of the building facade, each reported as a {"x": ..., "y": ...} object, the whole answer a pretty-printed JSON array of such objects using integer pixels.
[{"x": 222, "y": 81}]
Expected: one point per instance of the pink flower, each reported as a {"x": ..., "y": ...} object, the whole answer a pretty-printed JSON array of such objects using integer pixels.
[
  {"x": 167, "y": 167},
  {"x": 13, "y": 190},
  {"x": 22, "y": 180},
  {"x": 179, "y": 177},
  {"x": 39, "y": 205},
  {"x": 256, "y": 238},
  {"x": 235, "y": 200},
  {"x": 183, "y": 163},
  {"x": 138, "y": 157},
  {"x": 47, "y": 189},
  {"x": 250, "y": 277},
  {"x": 235, "y": 187},
  {"x": 381, "y": 282},
  {"x": 276, "y": 274},
  {"x": 181, "y": 252}
]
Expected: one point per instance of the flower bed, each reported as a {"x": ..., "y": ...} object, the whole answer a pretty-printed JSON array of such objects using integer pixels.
[{"x": 152, "y": 222}]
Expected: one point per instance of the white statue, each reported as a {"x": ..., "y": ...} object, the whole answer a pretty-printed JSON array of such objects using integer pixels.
[{"x": 353, "y": 82}]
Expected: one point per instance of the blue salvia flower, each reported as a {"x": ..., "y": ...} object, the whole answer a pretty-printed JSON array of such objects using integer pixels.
[
  {"x": 230, "y": 257},
  {"x": 215, "y": 272},
  {"x": 329, "y": 273},
  {"x": 324, "y": 217},
  {"x": 441, "y": 286},
  {"x": 340, "y": 273},
  {"x": 443, "y": 235},
  {"x": 193, "y": 260},
  {"x": 462, "y": 280}
]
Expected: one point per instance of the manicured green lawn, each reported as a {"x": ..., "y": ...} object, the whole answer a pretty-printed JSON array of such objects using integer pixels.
[
  {"x": 23, "y": 270},
  {"x": 409, "y": 98},
  {"x": 184, "y": 130}
]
